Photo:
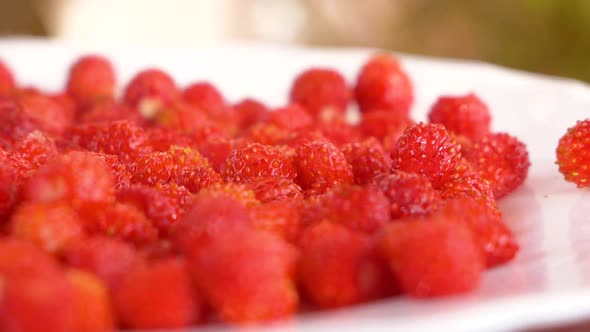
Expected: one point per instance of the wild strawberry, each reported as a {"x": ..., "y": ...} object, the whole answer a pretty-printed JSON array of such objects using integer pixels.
[
  {"x": 106, "y": 257},
  {"x": 275, "y": 189},
  {"x": 50, "y": 115},
  {"x": 91, "y": 78},
  {"x": 157, "y": 295},
  {"x": 19, "y": 258},
  {"x": 367, "y": 158},
  {"x": 163, "y": 204},
  {"x": 492, "y": 236},
  {"x": 7, "y": 82},
  {"x": 36, "y": 148},
  {"x": 161, "y": 138},
  {"x": 361, "y": 209},
  {"x": 240, "y": 192},
  {"x": 123, "y": 139},
  {"x": 250, "y": 112},
  {"x": 257, "y": 161},
  {"x": 180, "y": 116},
  {"x": 385, "y": 126},
  {"x": 122, "y": 221},
  {"x": 429, "y": 150},
  {"x": 337, "y": 130},
  {"x": 572, "y": 154},
  {"x": 339, "y": 267},
  {"x": 210, "y": 216},
  {"x": 36, "y": 302},
  {"x": 92, "y": 302},
  {"x": 432, "y": 257},
  {"x": 467, "y": 182},
  {"x": 463, "y": 115},
  {"x": 216, "y": 150},
  {"x": 51, "y": 226},
  {"x": 290, "y": 117},
  {"x": 281, "y": 218},
  {"x": 246, "y": 290},
  {"x": 14, "y": 123},
  {"x": 320, "y": 162},
  {"x": 67, "y": 105},
  {"x": 150, "y": 90},
  {"x": 80, "y": 178},
  {"x": 8, "y": 187},
  {"x": 208, "y": 98},
  {"x": 318, "y": 89},
  {"x": 109, "y": 111},
  {"x": 183, "y": 166},
  {"x": 408, "y": 194},
  {"x": 268, "y": 134},
  {"x": 382, "y": 84},
  {"x": 501, "y": 159},
  {"x": 119, "y": 170}
]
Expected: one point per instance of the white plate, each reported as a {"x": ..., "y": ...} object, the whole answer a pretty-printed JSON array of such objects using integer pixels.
[{"x": 548, "y": 282}]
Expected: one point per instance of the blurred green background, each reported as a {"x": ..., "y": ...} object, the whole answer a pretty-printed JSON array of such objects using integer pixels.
[{"x": 546, "y": 36}]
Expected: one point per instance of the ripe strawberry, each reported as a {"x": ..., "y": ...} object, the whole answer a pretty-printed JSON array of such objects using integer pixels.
[
  {"x": 216, "y": 149},
  {"x": 408, "y": 194},
  {"x": 463, "y": 115},
  {"x": 122, "y": 221},
  {"x": 119, "y": 171},
  {"x": 268, "y": 134},
  {"x": 501, "y": 159},
  {"x": 208, "y": 98},
  {"x": 182, "y": 166},
  {"x": 91, "y": 78},
  {"x": 250, "y": 112},
  {"x": 385, "y": 126},
  {"x": 238, "y": 191},
  {"x": 161, "y": 138},
  {"x": 123, "y": 139},
  {"x": 19, "y": 258},
  {"x": 492, "y": 236},
  {"x": 358, "y": 208},
  {"x": 275, "y": 189},
  {"x": 429, "y": 150},
  {"x": 281, "y": 218},
  {"x": 80, "y": 178},
  {"x": 157, "y": 295},
  {"x": 15, "y": 124},
  {"x": 382, "y": 84},
  {"x": 318, "y": 89},
  {"x": 258, "y": 288},
  {"x": 257, "y": 161},
  {"x": 290, "y": 117},
  {"x": 106, "y": 111},
  {"x": 164, "y": 204},
  {"x": 320, "y": 162},
  {"x": 210, "y": 216},
  {"x": 7, "y": 82},
  {"x": 339, "y": 267},
  {"x": 67, "y": 105},
  {"x": 337, "y": 130},
  {"x": 572, "y": 154},
  {"x": 36, "y": 302},
  {"x": 36, "y": 148},
  {"x": 105, "y": 257},
  {"x": 432, "y": 257},
  {"x": 367, "y": 158},
  {"x": 149, "y": 90},
  {"x": 180, "y": 116},
  {"x": 51, "y": 226},
  {"x": 467, "y": 182},
  {"x": 48, "y": 114},
  {"x": 8, "y": 187},
  {"x": 92, "y": 302}
]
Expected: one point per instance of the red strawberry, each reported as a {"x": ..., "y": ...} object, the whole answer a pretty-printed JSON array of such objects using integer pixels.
[
  {"x": 367, "y": 158},
  {"x": 463, "y": 115},
  {"x": 408, "y": 194},
  {"x": 36, "y": 148},
  {"x": 492, "y": 236},
  {"x": 320, "y": 89},
  {"x": 429, "y": 150},
  {"x": 157, "y": 295},
  {"x": 290, "y": 117},
  {"x": 107, "y": 258},
  {"x": 275, "y": 189},
  {"x": 320, "y": 162},
  {"x": 250, "y": 112},
  {"x": 51, "y": 226},
  {"x": 50, "y": 116},
  {"x": 91, "y": 78},
  {"x": 573, "y": 154},
  {"x": 432, "y": 257},
  {"x": 339, "y": 267},
  {"x": 281, "y": 218},
  {"x": 92, "y": 302},
  {"x": 501, "y": 159},
  {"x": 256, "y": 162},
  {"x": 382, "y": 84},
  {"x": 386, "y": 126},
  {"x": 361, "y": 209},
  {"x": 260, "y": 287},
  {"x": 149, "y": 90},
  {"x": 80, "y": 178}
]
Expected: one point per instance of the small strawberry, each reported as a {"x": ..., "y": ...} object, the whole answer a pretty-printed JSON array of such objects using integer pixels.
[
  {"x": 463, "y": 115},
  {"x": 320, "y": 162},
  {"x": 573, "y": 154},
  {"x": 319, "y": 89},
  {"x": 91, "y": 78},
  {"x": 92, "y": 302},
  {"x": 257, "y": 161},
  {"x": 367, "y": 158}
]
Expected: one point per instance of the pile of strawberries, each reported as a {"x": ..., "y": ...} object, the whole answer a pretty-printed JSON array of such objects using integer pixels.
[{"x": 169, "y": 207}]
